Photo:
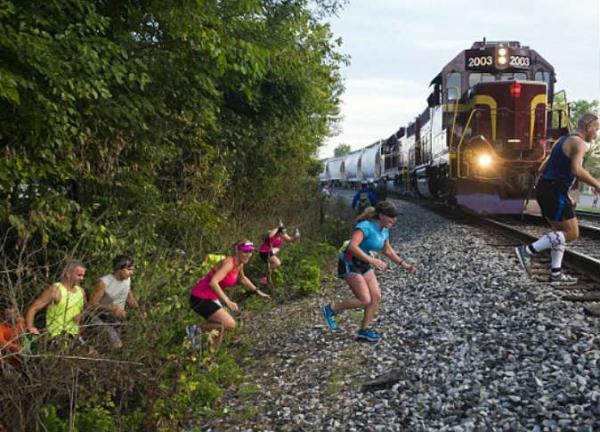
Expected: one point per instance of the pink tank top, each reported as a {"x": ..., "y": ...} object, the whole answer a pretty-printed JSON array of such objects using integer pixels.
[
  {"x": 271, "y": 244},
  {"x": 203, "y": 291}
]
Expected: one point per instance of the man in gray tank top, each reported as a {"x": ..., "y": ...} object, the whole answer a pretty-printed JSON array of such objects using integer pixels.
[{"x": 111, "y": 293}]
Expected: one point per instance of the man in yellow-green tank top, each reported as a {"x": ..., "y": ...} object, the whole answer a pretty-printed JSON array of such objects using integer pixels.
[{"x": 64, "y": 302}]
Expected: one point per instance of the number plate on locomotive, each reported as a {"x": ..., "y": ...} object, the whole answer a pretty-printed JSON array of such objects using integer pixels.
[{"x": 519, "y": 62}]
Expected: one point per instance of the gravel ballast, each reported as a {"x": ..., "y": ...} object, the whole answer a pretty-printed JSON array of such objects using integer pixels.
[{"x": 470, "y": 342}]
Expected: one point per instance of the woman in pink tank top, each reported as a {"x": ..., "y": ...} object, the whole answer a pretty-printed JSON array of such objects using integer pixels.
[
  {"x": 268, "y": 250},
  {"x": 208, "y": 296}
]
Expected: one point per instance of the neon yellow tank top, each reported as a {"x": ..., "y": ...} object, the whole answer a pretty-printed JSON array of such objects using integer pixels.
[{"x": 59, "y": 316}]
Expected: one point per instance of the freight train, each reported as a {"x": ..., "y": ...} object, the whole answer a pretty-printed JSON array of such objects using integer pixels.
[{"x": 489, "y": 123}]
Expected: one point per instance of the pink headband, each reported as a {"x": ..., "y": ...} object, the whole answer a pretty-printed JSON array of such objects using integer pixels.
[{"x": 246, "y": 247}]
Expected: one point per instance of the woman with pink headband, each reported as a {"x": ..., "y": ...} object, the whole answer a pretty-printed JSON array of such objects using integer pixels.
[
  {"x": 208, "y": 296},
  {"x": 269, "y": 248}
]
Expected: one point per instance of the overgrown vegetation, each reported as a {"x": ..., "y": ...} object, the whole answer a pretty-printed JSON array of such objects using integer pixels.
[{"x": 169, "y": 130}]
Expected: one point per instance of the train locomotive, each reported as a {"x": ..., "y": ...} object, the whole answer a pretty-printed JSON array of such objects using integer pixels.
[{"x": 488, "y": 125}]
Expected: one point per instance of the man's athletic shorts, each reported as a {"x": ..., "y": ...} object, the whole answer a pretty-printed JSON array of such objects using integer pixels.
[{"x": 553, "y": 198}]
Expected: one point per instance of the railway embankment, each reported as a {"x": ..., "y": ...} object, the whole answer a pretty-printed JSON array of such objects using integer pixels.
[{"x": 470, "y": 343}]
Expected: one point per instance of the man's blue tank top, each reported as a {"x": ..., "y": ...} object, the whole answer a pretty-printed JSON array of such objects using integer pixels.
[{"x": 558, "y": 167}]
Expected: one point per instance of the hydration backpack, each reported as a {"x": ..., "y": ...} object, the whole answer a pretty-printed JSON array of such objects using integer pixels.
[
  {"x": 210, "y": 261},
  {"x": 363, "y": 201}
]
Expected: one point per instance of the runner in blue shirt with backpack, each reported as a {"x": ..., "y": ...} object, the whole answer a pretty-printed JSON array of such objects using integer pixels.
[
  {"x": 363, "y": 198},
  {"x": 356, "y": 267}
]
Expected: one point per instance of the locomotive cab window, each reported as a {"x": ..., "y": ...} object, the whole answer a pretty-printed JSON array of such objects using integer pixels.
[
  {"x": 477, "y": 77},
  {"x": 542, "y": 76},
  {"x": 453, "y": 86},
  {"x": 521, "y": 76}
]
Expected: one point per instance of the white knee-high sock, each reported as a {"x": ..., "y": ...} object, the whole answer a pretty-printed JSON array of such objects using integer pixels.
[
  {"x": 557, "y": 253},
  {"x": 548, "y": 241}
]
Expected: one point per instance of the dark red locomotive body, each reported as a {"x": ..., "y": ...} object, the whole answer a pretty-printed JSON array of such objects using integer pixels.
[{"x": 484, "y": 133}]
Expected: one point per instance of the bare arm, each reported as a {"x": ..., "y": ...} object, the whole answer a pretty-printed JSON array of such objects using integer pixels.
[
  {"x": 50, "y": 295},
  {"x": 225, "y": 267},
  {"x": 247, "y": 283},
  {"x": 96, "y": 297},
  {"x": 578, "y": 149},
  {"x": 389, "y": 251},
  {"x": 289, "y": 238}
]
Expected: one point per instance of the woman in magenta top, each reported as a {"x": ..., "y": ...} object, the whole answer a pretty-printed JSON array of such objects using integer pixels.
[
  {"x": 268, "y": 250},
  {"x": 208, "y": 296}
]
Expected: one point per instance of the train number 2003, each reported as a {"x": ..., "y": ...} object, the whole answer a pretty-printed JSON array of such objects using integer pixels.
[
  {"x": 519, "y": 61},
  {"x": 480, "y": 61}
]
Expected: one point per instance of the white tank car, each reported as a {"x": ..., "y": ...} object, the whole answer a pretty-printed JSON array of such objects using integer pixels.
[
  {"x": 370, "y": 166},
  {"x": 335, "y": 170},
  {"x": 353, "y": 166}
]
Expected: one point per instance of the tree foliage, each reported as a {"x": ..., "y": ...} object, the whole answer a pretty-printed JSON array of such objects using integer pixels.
[
  {"x": 163, "y": 128},
  {"x": 341, "y": 150},
  {"x": 157, "y": 114},
  {"x": 576, "y": 110}
]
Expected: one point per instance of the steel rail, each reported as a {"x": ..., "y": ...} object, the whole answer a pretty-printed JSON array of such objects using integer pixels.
[{"x": 585, "y": 264}]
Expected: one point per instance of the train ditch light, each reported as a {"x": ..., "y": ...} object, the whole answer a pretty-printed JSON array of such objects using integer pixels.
[{"x": 484, "y": 160}]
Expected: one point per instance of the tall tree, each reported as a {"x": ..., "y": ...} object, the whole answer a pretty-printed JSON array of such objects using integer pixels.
[{"x": 341, "y": 150}]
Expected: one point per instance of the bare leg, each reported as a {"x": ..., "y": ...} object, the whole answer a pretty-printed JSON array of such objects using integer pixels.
[
  {"x": 362, "y": 296},
  {"x": 220, "y": 321},
  {"x": 375, "y": 293},
  {"x": 272, "y": 264},
  {"x": 570, "y": 227}
]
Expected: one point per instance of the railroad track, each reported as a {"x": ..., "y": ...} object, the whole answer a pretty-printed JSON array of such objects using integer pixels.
[
  {"x": 585, "y": 263},
  {"x": 582, "y": 262},
  {"x": 588, "y": 214},
  {"x": 582, "y": 258}
]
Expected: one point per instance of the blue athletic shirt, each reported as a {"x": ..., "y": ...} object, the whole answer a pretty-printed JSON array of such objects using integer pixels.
[
  {"x": 374, "y": 237},
  {"x": 558, "y": 167}
]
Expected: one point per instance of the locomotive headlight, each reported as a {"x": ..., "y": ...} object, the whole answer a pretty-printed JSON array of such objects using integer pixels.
[
  {"x": 484, "y": 160},
  {"x": 501, "y": 58}
]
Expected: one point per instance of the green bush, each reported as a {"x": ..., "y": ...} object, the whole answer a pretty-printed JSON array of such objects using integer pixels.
[
  {"x": 51, "y": 421},
  {"x": 308, "y": 280},
  {"x": 97, "y": 419}
]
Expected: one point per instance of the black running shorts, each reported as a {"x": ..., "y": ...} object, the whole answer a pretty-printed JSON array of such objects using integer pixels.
[
  {"x": 204, "y": 308},
  {"x": 265, "y": 256},
  {"x": 354, "y": 266},
  {"x": 554, "y": 201}
]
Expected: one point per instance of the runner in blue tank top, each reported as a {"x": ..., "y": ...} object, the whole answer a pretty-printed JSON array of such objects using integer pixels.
[
  {"x": 356, "y": 265},
  {"x": 562, "y": 168}
]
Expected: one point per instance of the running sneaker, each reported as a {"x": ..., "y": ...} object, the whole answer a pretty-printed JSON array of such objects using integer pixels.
[
  {"x": 562, "y": 279},
  {"x": 191, "y": 334},
  {"x": 369, "y": 334},
  {"x": 329, "y": 314},
  {"x": 524, "y": 258}
]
